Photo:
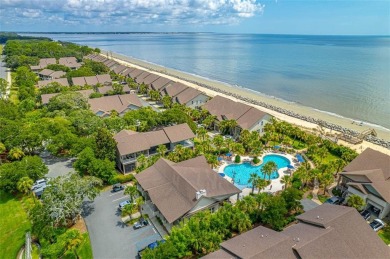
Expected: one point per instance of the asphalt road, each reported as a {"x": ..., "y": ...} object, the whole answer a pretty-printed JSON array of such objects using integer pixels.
[
  {"x": 3, "y": 69},
  {"x": 110, "y": 238},
  {"x": 58, "y": 166}
]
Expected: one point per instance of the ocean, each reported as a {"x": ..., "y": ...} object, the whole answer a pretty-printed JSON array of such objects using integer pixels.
[{"x": 347, "y": 76}]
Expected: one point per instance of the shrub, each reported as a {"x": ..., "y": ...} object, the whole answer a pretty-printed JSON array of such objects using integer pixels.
[
  {"x": 256, "y": 160},
  {"x": 336, "y": 192},
  {"x": 123, "y": 178},
  {"x": 237, "y": 159}
]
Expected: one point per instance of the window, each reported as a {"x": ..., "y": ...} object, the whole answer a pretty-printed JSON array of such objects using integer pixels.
[{"x": 212, "y": 209}]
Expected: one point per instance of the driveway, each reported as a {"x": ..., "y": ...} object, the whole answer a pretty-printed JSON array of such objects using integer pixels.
[
  {"x": 58, "y": 166},
  {"x": 110, "y": 237}
]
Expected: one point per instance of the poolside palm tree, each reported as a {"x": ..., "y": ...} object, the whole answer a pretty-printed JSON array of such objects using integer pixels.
[
  {"x": 238, "y": 148},
  {"x": 212, "y": 160},
  {"x": 218, "y": 142},
  {"x": 208, "y": 121},
  {"x": 261, "y": 184},
  {"x": 286, "y": 180},
  {"x": 269, "y": 168},
  {"x": 229, "y": 143},
  {"x": 253, "y": 179}
]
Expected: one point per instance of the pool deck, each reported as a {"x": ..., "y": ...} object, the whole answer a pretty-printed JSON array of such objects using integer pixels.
[{"x": 275, "y": 185}]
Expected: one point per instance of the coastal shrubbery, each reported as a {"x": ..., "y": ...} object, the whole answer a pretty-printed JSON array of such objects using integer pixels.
[{"x": 237, "y": 159}]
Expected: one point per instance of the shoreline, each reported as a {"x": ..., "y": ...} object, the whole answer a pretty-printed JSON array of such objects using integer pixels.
[{"x": 294, "y": 113}]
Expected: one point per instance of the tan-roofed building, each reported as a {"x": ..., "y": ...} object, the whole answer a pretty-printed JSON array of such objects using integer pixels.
[
  {"x": 174, "y": 89},
  {"x": 70, "y": 62},
  {"x": 139, "y": 79},
  {"x": 131, "y": 145},
  {"x": 150, "y": 79},
  {"x": 92, "y": 80},
  {"x": 120, "y": 103},
  {"x": 133, "y": 74},
  {"x": 127, "y": 71},
  {"x": 190, "y": 97},
  {"x": 119, "y": 69},
  {"x": 327, "y": 231},
  {"x": 61, "y": 81},
  {"x": 43, "y": 63},
  {"x": 247, "y": 117},
  {"x": 48, "y": 74},
  {"x": 160, "y": 84},
  {"x": 368, "y": 176},
  {"x": 179, "y": 190},
  {"x": 46, "y": 97}
]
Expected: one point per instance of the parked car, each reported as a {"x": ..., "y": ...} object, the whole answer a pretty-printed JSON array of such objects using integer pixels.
[
  {"x": 150, "y": 246},
  {"x": 334, "y": 200},
  {"x": 140, "y": 223},
  {"x": 366, "y": 214},
  {"x": 375, "y": 210},
  {"x": 117, "y": 187},
  {"x": 377, "y": 224},
  {"x": 123, "y": 204},
  {"x": 39, "y": 184}
]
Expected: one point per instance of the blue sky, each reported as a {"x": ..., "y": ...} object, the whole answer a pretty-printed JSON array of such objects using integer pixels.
[{"x": 348, "y": 17}]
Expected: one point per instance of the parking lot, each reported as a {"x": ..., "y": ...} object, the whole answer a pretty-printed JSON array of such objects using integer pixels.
[{"x": 110, "y": 237}]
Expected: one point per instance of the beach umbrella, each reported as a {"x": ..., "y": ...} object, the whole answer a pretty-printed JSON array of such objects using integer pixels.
[
  {"x": 290, "y": 167},
  {"x": 229, "y": 154},
  {"x": 222, "y": 174},
  {"x": 219, "y": 158},
  {"x": 300, "y": 158},
  {"x": 277, "y": 147}
]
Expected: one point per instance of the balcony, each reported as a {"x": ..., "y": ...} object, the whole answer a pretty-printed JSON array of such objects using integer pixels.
[{"x": 128, "y": 160}]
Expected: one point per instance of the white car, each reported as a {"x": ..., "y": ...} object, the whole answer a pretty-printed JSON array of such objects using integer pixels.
[
  {"x": 377, "y": 224},
  {"x": 39, "y": 184}
]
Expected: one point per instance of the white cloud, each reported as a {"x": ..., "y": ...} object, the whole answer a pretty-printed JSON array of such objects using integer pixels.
[{"x": 131, "y": 11}]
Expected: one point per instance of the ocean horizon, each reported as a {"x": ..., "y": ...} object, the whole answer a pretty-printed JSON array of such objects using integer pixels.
[{"x": 344, "y": 76}]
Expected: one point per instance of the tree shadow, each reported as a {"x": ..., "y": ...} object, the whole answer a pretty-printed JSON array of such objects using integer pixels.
[{"x": 87, "y": 208}]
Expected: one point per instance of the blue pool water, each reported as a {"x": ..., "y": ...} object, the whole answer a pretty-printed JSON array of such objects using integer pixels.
[{"x": 241, "y": 172}]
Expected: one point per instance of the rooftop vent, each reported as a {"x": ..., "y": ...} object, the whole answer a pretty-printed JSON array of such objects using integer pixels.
[{"x": 201, "y": 193}]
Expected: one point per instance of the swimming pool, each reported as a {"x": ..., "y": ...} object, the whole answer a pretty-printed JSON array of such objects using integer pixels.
[{"x": 241, "y": 172}]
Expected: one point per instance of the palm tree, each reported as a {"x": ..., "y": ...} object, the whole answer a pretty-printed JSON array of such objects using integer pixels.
[
  {"x": 201, "y": 133},
  {"x": 162, "y": 150},
  {"x": 269, "y": 168},
  {"x": 15, "y": 153},
  {"x": 132, "y": 191},
  {"x": 253, "y": 178},
  {"x": 286, "y": 180},
  {"x": 212, "y": 160},
  {"x": 261, "y": 184},
  {"x": 218, "y": 142},
  {"x": 339, "y": 163},
  {"x": 141, "y": 161},
  {"x": 238, "y": 148},
  {"x": 229, "y": 143},
  {"x": 326, "y": 179},
  {"x": 195, "y": 114},
  {"x": 73, "y": 241},
  {"x": 167, "y": 101},
  {"x": 208, "y": 121},
  {"x": 139, "y": 202},
  {"x": 155, "y": 95},
  {"x": 24, "y": 185}
]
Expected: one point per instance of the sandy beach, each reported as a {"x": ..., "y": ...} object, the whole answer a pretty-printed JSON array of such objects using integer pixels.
[{"x": 187, "y": 79}]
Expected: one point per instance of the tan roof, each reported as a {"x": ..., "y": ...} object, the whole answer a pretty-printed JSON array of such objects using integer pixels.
[
  {"x": 145, "y": 140},
  {"x": 104, "y": 89},
  {"x": 175, "y": 89},
  {"x": 46, "y": 72},
  {"x": 61, "y": 81},
  {"x": 139, "y": 79},
  {"x": 119, "y": 103},
  {"x": 327, "y": 231},
  {"x": 91, "y": 80},
  {"x": 225, "y": 108},
  {"x": 172, "y": 187},
  {"x": 150, "y": 79},
  {"x": 104, "y": 79},
  {"x": 86, "y": 93},
  {"x": 69, "y": 62},
  {"x": 370, "y": 168},
  {"x": 179, "y": 132},
  {"x": 57, "y": 74},
  {"x": 44, "y": 62},
  {"x": 370, "y": 159},
  {"x": 133, "y": 74},
  {"x": 160, "y": 83},
  {"x": 187, "y": 95},
  {"x": 46, "y": 97},
  {"x": 127, "y": 71},
  {"x": 79, "y": 81},
  {"x": 119, "y": 69}
]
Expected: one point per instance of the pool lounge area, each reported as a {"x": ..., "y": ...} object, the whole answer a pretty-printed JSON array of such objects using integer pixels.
[{"x": 241, "y": 172}]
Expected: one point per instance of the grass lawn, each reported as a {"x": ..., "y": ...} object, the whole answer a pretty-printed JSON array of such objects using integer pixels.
[
  {"x": 14, "y": 225},
  {"x": 385, "y": 238},
  {"x": 85, "y": 249}
]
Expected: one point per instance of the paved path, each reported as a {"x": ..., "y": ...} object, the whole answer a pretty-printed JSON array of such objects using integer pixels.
[
  {"x": 58, "y": 166},
  {"x": 5, "y": 74},
  {"x": 110, "y": 237}
]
